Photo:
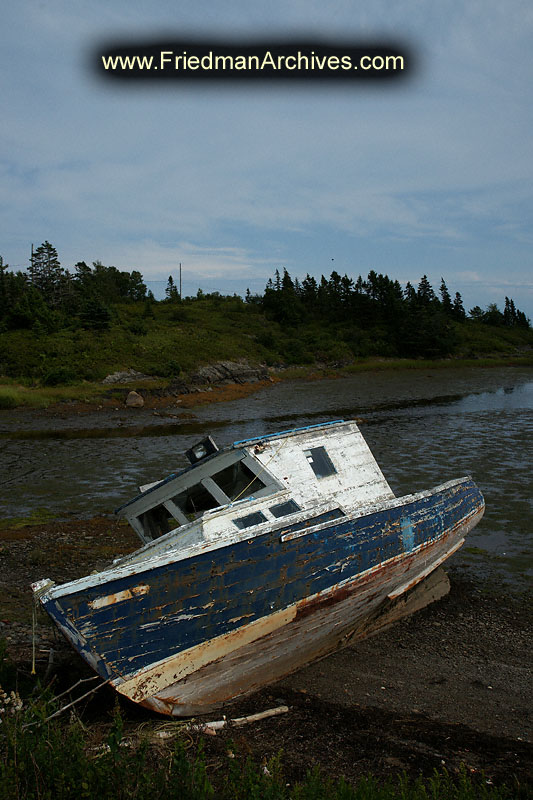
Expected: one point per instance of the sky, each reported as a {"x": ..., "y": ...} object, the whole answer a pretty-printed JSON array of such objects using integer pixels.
[{"x": 429, "y": 174}]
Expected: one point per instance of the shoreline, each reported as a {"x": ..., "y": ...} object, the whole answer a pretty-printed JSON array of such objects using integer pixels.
[
  {"x": 450, "y": 685},
  {"x": 87, "y": 397}
]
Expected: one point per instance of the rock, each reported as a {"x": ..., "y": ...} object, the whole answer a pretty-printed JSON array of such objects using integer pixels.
[
  {"x": 126, "y": 376},
  {"x": 229, "y": 372},
  {"x": 177, "y": 387},
  {"x": 134, "y": 400}
]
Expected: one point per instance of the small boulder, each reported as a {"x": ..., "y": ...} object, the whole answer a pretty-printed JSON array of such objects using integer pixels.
[{"x": 134, "y": 400}]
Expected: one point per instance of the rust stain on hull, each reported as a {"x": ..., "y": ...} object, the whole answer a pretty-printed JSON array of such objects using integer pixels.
[
  {"x": 247, "y": 592},
  {"x": 308, "y": 607},
  {"x": 179, "y": 667},
  {"x": 256, "y": 655}
]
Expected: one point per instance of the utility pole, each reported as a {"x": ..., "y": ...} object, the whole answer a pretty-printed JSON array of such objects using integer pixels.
[{"x": 180, "y": 280}]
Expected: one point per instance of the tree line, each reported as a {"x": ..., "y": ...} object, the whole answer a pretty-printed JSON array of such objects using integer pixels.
[
  {"x": 46, "y": 297},
  {"x": 409, "y": 321},
  {"x": 405, "y": 322}
]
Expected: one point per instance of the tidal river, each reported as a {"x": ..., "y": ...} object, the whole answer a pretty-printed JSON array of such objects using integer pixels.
[{"x": 424, "y": 427}]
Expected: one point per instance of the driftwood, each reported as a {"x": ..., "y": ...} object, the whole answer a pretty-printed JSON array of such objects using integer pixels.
[
  {"x": 71, "y": 704},
  {"x": 212, "y": 727}
]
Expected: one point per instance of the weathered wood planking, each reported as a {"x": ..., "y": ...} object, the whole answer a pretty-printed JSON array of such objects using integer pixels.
[{"x": 183, "y": 629}]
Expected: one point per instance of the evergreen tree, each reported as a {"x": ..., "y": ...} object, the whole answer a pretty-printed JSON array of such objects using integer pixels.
[
  {"x": 521, "y": 320},
  {"x": 476, "y": 313},
  {"x": 94, "y": 314},
  {"x": 137, "y": 288},
  {"x": 171, "y": 291},
  {"x": 446, "y": 300},
  {"x": 288, "y": 305},
  {"x": 287, "y": 284},
  {"x": 322, "y": 295},
  {"x": 410, "y": 293},
  {"x": 493, "y": 315},
  {"x": 346, "y": 290},
  {"x": 372, "y": 284},
  {"x": 459, "y": 313},
  {"x": 46, "y": 273},
  {"x": 309, "y": 291},
  {"x": 513, "y": 317},
  {"x": 425, "y": 293},
  {"x": 335, "y": 283},
  {"x": 83, "y": 276},
  {"x": 30, "y": 311},
  {"x": 509, "y": 313}
]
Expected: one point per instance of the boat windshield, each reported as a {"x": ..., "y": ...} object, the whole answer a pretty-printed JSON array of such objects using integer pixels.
[
  {"x": 238, "y": 481},
  {"x": 235, "y": 481}
]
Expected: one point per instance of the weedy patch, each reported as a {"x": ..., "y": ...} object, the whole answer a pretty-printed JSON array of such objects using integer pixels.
[{"x": 37, "y": 516}]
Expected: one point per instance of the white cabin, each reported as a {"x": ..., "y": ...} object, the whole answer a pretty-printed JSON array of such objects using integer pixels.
[{"x": 249, "y": 487}]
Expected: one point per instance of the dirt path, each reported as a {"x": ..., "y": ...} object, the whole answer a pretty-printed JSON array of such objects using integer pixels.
[{"x": 450, "y": 685}]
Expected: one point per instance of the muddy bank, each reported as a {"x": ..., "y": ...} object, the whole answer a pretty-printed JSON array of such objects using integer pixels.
[
  {"x": 219, "y": 382},
  {"x": 447, "y": 686}
]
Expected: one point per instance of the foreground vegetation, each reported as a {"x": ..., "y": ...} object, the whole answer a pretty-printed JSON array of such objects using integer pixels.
[
  {"x": 60, "y": 329},
  {"x": 49, "y": 758}
]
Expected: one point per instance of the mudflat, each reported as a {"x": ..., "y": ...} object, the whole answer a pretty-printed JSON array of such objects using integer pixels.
[{"x": 450, "y": 685}]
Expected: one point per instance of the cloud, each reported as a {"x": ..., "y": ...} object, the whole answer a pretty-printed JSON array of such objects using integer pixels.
[{"x": 438, "y": 169}]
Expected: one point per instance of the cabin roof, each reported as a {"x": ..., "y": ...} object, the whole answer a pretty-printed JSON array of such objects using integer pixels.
[
  {"x": 244, "y": 442},
  {"x": 212, "y": 456}
]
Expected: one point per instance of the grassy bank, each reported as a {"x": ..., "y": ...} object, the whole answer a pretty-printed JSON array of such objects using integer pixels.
[
  {"x": 171, "y": 340},
  {"x": 311, "y": 371},
  {"x": 14, "y": 394}
]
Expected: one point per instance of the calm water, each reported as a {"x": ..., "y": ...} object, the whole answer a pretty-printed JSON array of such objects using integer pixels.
[{"x": 424, "y": 428}]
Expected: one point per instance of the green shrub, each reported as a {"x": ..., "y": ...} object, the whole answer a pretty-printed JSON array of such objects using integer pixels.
[
  {"x": 9, "y": 398},
  {"x": 138, "y": 327},
  {"x": 59, "y": 376}
]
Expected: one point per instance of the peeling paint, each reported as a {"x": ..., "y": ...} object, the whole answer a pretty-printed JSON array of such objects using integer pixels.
[
  {"x": 408, "y": 535},
  {"x": 208, "y": 612},
  {"x": 119, "y": 597}
]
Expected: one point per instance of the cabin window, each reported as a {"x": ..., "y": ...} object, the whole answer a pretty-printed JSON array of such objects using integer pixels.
[
  {"x": 238, "y": 481},
  {"x": 320, "y": 462},
  {"x": 194, "y": 501},
  {"x": 283, "y": 509},
  {"x": 250, "y": 519},
  {"x": 157, "y": 522}
]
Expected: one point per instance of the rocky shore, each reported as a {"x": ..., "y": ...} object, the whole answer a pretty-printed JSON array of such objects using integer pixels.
[{"x": 128, "y": 384}]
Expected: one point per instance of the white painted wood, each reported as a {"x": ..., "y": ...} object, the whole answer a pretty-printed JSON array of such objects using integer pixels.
[
  {"x": 257, "y": 652},
  {"x": 167, "y": 548}
]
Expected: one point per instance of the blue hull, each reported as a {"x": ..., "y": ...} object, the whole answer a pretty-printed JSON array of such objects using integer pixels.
[{"x": 123, "y": 624}]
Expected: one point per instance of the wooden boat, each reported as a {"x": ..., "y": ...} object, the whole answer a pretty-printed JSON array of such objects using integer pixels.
[{"x": 256, "y": 560}]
